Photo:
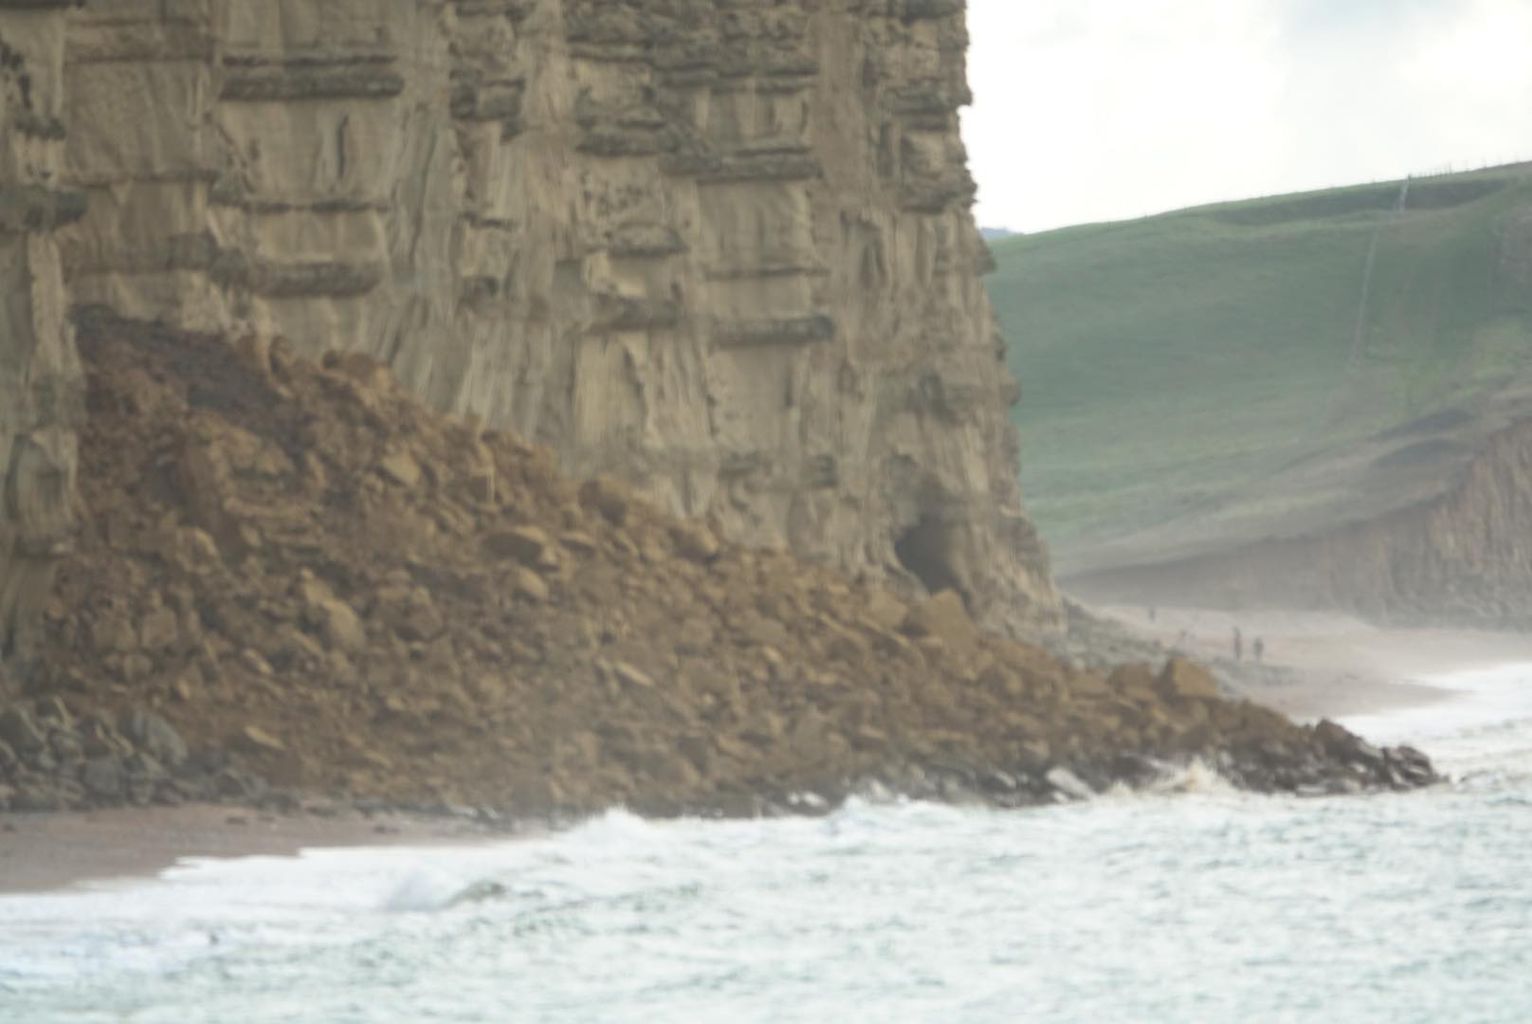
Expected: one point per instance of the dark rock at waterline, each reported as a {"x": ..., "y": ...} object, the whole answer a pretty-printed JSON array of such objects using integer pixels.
[
  {"x": 1409, "y": 767},
  {"x": 51, "y": 760},
  {"x": 104, "y": 778},
  {"x": 1336, "y": 760},
  {"x": 1069, "y": 784},
  {"x": 19, "y": 730},
  {"x": 155, "y": 736}
]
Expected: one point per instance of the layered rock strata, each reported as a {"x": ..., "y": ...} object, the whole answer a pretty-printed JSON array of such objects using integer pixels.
[
  {"x": 39, "y": 373},
  {"x": 722, "y": 249},
  {"x": 307, "y": 574}
]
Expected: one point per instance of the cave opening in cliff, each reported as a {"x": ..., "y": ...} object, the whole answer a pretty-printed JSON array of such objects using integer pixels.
[{"x": 925, "y": 552}]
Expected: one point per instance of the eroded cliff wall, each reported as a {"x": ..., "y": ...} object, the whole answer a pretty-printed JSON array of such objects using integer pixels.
[
  {"x": 722, "y": 248},
  {"x": 39, "y": 372}
]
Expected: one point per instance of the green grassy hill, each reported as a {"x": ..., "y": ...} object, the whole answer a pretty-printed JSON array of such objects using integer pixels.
[{"x": 1174, "y": 367}]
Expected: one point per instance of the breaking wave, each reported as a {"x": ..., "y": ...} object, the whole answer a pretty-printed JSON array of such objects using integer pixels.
[{"x": 1188, "y": 902}]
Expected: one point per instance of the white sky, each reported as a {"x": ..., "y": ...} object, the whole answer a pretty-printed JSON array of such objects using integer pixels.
[{"x": 1089, "y": 110}]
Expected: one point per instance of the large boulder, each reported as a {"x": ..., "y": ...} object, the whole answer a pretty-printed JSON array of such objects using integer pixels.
[
  {"x": 944, "y": 617},
  {"x": 155, "y": 736},
  {"x": 20, "y": 731},
  {"x": 529, "y": 545},
  {"x": 1186, "y": 680}
]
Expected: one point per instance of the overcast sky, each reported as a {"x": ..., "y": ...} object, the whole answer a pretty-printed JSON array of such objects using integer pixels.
[{"x": 1090, "y": 110}]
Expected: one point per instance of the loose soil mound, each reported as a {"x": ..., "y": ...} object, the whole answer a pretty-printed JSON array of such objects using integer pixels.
[{"x": 301, "y": 568}]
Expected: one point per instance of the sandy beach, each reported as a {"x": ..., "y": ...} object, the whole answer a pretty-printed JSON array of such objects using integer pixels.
[{"x": 1326, "y": 665}]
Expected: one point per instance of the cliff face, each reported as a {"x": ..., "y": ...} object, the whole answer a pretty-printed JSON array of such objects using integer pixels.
[
  {"x": 39, "y": 373},
  {"x": 720, "y": 248}
]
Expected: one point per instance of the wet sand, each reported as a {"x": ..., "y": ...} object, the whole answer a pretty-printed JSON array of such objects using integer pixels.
[
  {"x": 40, "y": 852},
  {"x": 1326, "y": 665}
]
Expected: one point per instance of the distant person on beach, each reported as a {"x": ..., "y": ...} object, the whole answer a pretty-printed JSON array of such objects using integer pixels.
[
  {"x": 1239, "y": 645},
  {"x": 1258, "y": 649},
  {"x": 1151, "y": 613}
]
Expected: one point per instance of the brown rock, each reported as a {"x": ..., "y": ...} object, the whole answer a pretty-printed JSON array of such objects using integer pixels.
[
  {"x": 156, "y": 736},
  {"x": 945, "y": 618},
  {"x": 131, "y": 667},
  {"x": 195, "y": 550},
  {"x": 845, "y": 645},
  {"x": 1088, "y": 685},
  {"x": 159, "y": 630},
  {"x": 339, "y": 625},
  {"x": 694, "y": 541},
  {"x": 401, "y": 468},
  {"x": 482, "y": 476},
  {"x": 112, "y": 634},
  {"x": 1186, "y": 680},
  {"x": 653, "y": 764},
  {"x": 632, "y": 675},
  {"x": 608, "y": 497},
  {"x": 333, "y": 619},
  {"x": 764, "y": 632},
  {"x": 885, "y": 610},
  {"x": 480, "y": 485},
  {"x": 529, "y": 545},
  {"x": 202, "y": 474},
  {"x": 1135, "y": 682},
  {"x": 185, "y": 687},
  {"x": 526, "y": 583},
  {"x": 254, "y": 661},
  {"x": 255, "y": 352},
  {"x": 19, "y": 730},
  {"x": 255, "y": 740},
  {"x": 363, "y": 369},
  {"x": 579, "y": 543},
  {"x": 421, "y": 619},
  {"x": 294, "y": 645}
]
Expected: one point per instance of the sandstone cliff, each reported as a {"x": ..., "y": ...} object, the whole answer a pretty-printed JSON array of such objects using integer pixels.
[
  {"x": 720, "y": 248},
  {"x": 39, "y": 373}
]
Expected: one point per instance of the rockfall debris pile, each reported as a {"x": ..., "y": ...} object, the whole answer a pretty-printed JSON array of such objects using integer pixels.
[{"x": 296, "y": 571}]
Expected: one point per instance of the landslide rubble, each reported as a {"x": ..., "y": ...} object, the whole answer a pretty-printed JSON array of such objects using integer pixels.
[{"x": 302, "y": 573}]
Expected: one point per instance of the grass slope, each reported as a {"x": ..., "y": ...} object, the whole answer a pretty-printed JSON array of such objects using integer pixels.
[{"x": 1168, "y": 363}]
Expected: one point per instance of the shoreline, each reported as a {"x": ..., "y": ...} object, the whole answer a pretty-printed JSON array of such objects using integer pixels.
[
  {"x": 63, "y": 851},
  {"x": 1325, "y": 665},
  {"x": 1316, "y": 666}
]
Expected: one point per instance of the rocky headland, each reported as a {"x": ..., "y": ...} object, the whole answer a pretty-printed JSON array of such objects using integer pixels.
[{"x": 534, "y": 406}]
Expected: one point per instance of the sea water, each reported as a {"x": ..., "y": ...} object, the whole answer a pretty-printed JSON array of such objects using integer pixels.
[{"x": 1203, "y": 905}]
